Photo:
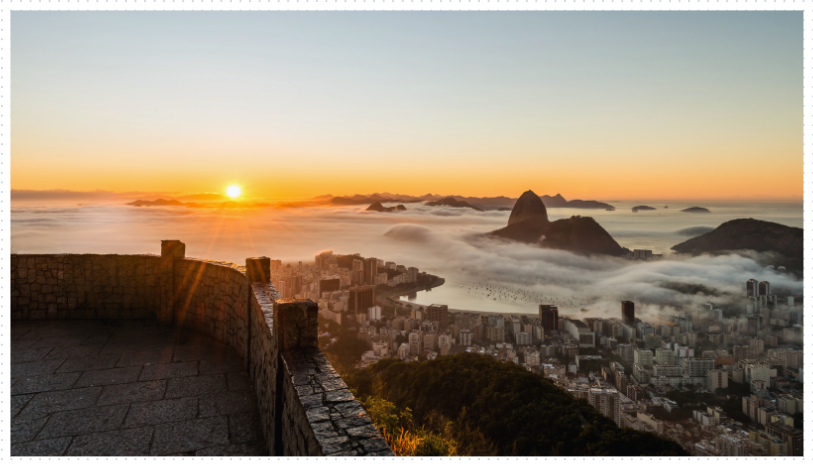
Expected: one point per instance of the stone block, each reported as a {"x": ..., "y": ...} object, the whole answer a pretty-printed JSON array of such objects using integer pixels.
[
  {"x": 172, "y": 249},
  {"x": 296, "y": 323},
  {"x": 258, "y": 269}
]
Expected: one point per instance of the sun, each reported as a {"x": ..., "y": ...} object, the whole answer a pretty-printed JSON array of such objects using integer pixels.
[{"x": 233, "y": 191}]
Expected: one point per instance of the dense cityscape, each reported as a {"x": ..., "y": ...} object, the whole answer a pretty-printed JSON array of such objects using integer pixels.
[{"x": 720, "y": 381}]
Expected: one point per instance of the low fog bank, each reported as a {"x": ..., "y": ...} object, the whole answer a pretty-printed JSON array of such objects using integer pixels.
[{"x": 444, "y": 241}]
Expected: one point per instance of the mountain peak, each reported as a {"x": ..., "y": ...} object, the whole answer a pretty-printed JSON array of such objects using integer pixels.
[{"x": 528, "y": 206}]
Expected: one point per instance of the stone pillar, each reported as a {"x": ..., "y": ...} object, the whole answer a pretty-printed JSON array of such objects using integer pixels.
[
  {"x": 258, "y": 269},
  {"x": 296, "y": 323},
  {"x": 171, "y": 250}
]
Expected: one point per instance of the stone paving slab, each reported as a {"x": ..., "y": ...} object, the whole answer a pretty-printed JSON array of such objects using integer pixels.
[
  {"x": 119, "y": 375},
  {"x": 44, "y": 383},
  {"x": 191, "y": 435},
  {"x": 110, "y": 388}
]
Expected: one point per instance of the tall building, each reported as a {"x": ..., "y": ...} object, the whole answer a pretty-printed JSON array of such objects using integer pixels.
[
  {"x": 697, "y": 367},
  {"x": 642, "y": 357},
  {"x": 664, "y": 356},
  {"x": 626, "y": 352},
  {"x": 465, "y": 338},
  {"x": 787, "y": 434},
  {"x": 329, "y": 284},
  {"x": 764, "y": 288},
  {"x": 628, "y": 312},
  {"x": 360, "y": 299},
  {"x": 549, "y": 315},
  {"x": 752, "y": 288},
  {"x": 296, "y": 285},
  {"x": 357, "y": 274},
  {"x": 370, "y": 270},
  {"x": 438, "y": 313},
  {"x": 607, "y": 402},
  {"x": 495, "y": 334}
]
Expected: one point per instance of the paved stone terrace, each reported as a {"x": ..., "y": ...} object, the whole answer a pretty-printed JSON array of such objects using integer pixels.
[{"x": 99, "y": 388}]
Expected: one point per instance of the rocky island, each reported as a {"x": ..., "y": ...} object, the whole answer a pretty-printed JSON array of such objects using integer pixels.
[
  {"x": 783, "y": 242},
  {"x": 697, "y": 210},
  {"x": 528, "y": 223},
  {"x": 559, "y": 201},
  {"x": 378, "y": 207},
  {"x": 642, "y": 207}
]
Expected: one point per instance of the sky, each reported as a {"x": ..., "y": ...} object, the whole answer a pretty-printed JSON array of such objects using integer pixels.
[{"x": 290, "y": 105}]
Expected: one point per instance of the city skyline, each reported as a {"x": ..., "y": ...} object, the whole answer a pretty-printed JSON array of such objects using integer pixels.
[{"x": 591, "y": 105}]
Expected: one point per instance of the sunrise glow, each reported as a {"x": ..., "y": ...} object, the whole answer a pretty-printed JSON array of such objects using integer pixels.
[{"x": 233, "y": 191}]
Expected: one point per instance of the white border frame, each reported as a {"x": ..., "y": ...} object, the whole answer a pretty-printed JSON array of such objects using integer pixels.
[{"x": 7, "y": 6}]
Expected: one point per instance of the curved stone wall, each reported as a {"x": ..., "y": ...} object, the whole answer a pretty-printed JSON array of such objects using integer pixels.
[
  {"x": 304, "y": 405},
  {"x": 212, "y": 298}
]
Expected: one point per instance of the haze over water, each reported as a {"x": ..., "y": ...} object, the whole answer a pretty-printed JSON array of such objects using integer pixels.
[{"x": 441, "y": 240}]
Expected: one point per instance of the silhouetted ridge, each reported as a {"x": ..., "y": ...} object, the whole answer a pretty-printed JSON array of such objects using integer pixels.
[
  {"x": 750, "y": 234},
  {"x": 452, "y": 202},
  {"x": 697, "y": 210},
  {"x": 528, "y": 223},
  {"x": 528, "y": 206},
  {"x": 377, "y": 207}
]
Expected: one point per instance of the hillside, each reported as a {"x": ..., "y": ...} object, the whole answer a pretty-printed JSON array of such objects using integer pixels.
[
  {"x": 581, "y": 234},
  {"x": 475, "y": 400},
  {"x": 785, "y": 242}
]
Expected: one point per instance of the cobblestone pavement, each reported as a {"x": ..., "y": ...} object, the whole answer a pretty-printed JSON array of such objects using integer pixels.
[{"x": 99, "y": 388}]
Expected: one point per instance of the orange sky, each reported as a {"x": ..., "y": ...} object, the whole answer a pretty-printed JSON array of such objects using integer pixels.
[{"x": 590, "y": 105}]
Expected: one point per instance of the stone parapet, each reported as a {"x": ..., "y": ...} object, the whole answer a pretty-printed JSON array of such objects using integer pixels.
[
  {"x": 305, "y": 407},
  {"x": 319, "y": 414},
  {"x": 84, "y": 286}
]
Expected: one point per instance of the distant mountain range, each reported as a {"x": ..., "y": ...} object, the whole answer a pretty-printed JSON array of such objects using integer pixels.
[
  {"x": 482, "y": 203},
  {"x": 194, "y": 205},
  {"x": 452, "y": 202}
]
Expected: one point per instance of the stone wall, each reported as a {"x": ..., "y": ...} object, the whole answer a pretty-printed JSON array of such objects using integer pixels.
[
  {"x": 305, "y": 407},
  {"x": 263, "y": 362},
  {"x": 212, "y": 298},
  {"x": 83, "y": 286}
]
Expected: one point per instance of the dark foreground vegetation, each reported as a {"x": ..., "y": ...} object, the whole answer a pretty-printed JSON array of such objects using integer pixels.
[{"x": 468, "y": 404}]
